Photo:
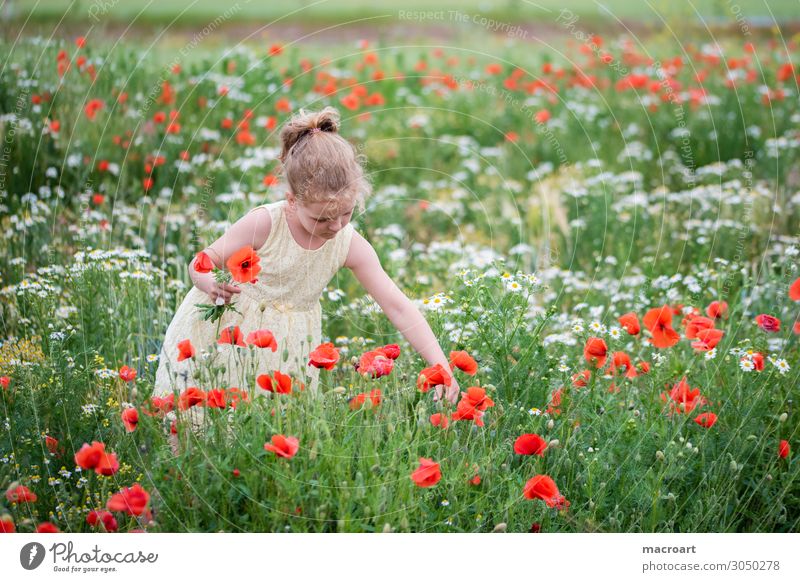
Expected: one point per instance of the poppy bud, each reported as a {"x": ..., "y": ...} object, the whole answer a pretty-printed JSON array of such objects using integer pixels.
[
  {"x": 387, "y": 528},
  {"x": 660, "y": 456},
  {"x": 734, "y": 467},
  {"x": 769, "y": 477},
  {"x": 783, "y": 417},
  {"x": 555, "y": 443},
  {"x": 404, "y": 522},
  {"x": 500, "y": 528},
  {"x": 339, "y": 390},
  {"x": 550, "y": 424}
]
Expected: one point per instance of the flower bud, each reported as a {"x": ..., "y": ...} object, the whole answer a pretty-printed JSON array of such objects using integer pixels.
[
  {"x": 783, "y": 417},
  {"x": 554, "y": 443},
  {"x": 660, "y": 456},
  {"x": 500, "y": 528},
  {"x": 339, "y": 390},
  {"x": 550, "y": 424},
  {"x": 387, "y": 528}
]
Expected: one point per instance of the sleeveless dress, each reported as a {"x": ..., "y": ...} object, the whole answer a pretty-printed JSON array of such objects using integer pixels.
[{"x": 285, "y": 300}]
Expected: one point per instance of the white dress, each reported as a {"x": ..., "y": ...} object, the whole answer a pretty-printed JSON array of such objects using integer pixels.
[{"x": 285, "y": 300}]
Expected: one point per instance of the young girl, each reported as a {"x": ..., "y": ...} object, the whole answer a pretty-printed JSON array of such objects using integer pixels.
[{"x": 302, "y": 242}]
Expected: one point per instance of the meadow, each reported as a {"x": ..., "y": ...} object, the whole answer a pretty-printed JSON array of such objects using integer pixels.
[{"x": 608, "y": 233}]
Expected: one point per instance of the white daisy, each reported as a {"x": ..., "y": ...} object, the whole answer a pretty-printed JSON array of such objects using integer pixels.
[
  {"x": 782, "y": 365},
  {"x": 746, "y": 365},
  {"x": 711, "y": 354}
]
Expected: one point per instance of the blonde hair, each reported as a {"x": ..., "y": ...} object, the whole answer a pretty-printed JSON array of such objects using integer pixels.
[{"x": 319, "y": 164}]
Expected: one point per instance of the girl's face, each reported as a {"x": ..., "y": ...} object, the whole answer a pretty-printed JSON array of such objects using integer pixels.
[{"x": 323, "y": 219}]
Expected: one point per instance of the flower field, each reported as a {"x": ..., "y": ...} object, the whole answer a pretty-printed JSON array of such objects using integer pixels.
[{"x": 604, "y": 239}]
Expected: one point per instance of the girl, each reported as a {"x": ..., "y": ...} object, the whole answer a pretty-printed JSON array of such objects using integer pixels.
[{"x": 301, "y": 242}]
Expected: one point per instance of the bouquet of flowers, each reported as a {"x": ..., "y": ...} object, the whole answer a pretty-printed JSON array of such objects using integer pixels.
[{"x": 243, "y": 266}]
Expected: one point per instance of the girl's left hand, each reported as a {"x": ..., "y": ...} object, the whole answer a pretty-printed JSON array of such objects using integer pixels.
[{"x": 452, "y": 391}]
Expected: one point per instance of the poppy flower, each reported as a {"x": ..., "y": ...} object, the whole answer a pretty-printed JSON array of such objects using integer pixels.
[
  {"x": 439, "y": 419},
  {"x": 476, "y": 480},
  {"x": 7, "y": 524},
  {"x": 192, "y": 396},
  {"x": 130, "y": 418},
  {"x": 476, "y": 397},
  {"x": 51, "y": 444},
  {"x": 464, "y": 362},
  {"x": 794, "y": 290},
  {"x": 706, "y": 419},
  {"x": 433, "y": 376},
  {"x": 707, "y": 339},
  {"x": 530, "y": 444},
  {"x": 466, "y": 411},
  {"x": 262, "y": 338},
  {"x": 391, "y": 350},
  {"x": 234, "y": 396},
  {"x": 543, "y": 487},
  {"x": 697, "y": 324},
  {"x": 216, "y": 398},
  {"x": 131, "y": 500},
  {"x": 46, "y": 527},
  {"x": 683, "y": 398},
  {"x": 278, "y": 383},
  {"x": 717, "y": 309},
  {"x": 427, "y": 474},
  {"x": 231, "y": 335},
  {"x": 5, "y": 381},
  {"x": 203, "y": 263},
  {"x": 185, "y": 350},
  {"x": 630, "y": 323},
  {"x": 555, "y": 401},
  {"x": 101, "y": 516},
  {"x": 621, "y": 360},
  {"x": 768, "y": 323},
  {"x": 659, "y": 322},
  {"x": 374, "y": 364},
  {"x": 581, "y": 379},
  {"x": 595, "y": 349},
  {"x": 324, "y": 356},
  {"x": 283, "y": 446},
  {"x": 20, "y": 494},
  {"x": 127, "y": 374},
  {"x": 95, "y": 457},
  {"x": 244, "y": 265},
  {"x": 159, "y": 406},
  {"x": 360, "y": 399},
  {"x": 784, "y": 450}
]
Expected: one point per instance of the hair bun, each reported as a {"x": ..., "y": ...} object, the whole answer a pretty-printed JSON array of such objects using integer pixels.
[{"x": 306, "y": 122}]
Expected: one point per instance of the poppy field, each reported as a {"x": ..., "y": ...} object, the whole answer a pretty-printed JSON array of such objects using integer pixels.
[{"x": 603, "y": 237}]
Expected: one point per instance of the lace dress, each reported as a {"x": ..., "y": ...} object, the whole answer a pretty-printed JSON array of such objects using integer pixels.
[{"x": 285, "y": 300}]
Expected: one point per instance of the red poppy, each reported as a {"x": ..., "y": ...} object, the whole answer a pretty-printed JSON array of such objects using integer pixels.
[
  {"x": 543, "y": 487},
  {"x": 7, "y": 524},
  {"x": 262, "y": 338},
  {"x": 717, "y": 309},
  {"x": 283, "y": 446},
  {"x": 659, "y": 321},
  {"x": 185, "y": 350},
  {"x": 159, "y": 406},
  {"x": 530, "y": 444},
  {"x": 52, "y": 444},
  {"x": 630, "y": 323},
  {"x": 697, "y": 324},
  {"x": 466, "y": 411},
  {"x": 203, "y": 263},
  {"x": 20, "y": 494},
  {"x": 192, "y": 396},
  {"x": 127, "y": 374},
  {"x": 707, "y": 339},
  {"x": 359, "y": 399},
  {"x": 234, "y": 396},
  {"x": 581, "y": 379},
  {"x": 439, "y": 419},
  {"x": 427, "y": 474},
  {"x": 374, "y": 364},
  {"x": 595, "y": 349},
  {"x": 95, "y": 457},
  {"x": 232, "y": 335},
  {"x": 683, "y": 398},
  {"x": 794, "y": 290},
  {"x": 784, "y": 450},
  {"x": 104, "y": 517},
  {"x": 433, "y": 376},
  {"x": 131, "y": 500},
  {"x": 622, "y": 360},
  {"x": 216, "y": 398},
  {"x": 324, "y": 356},
  {"x": 244, "y": 265},
  {"x": 46, "y": 527},
  {"x": 476, "y": 397},
  {"x": 391, "y": 350},
  {"x": 5, "y": 381},
  {"x": 464, "y": 362},
  {"x": 130, "y": 418},
  {"x": 278, "y": 383},
  {"x": 706, "y": 419},
  {"x": 768, "y": 323}
]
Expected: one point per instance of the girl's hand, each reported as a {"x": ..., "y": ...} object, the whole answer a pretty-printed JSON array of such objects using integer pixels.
[
  {"x": 452, "y": 391},
  {"x": 222, "y": 291}
]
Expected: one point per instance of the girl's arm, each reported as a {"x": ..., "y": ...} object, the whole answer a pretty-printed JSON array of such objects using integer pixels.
[
  {"x": 363, "y": 261},
  {"x": 251, "y": 229}
]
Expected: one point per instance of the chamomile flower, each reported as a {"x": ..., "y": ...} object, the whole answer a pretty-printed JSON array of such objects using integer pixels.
[
  {"x": 513, "y": 286},
  {"x": 782, "y": 365},
  {"x": 711, "y": 354},
  {"x": 597, "y": 327},
  {"x": 577, "y": 327},
  {"x": 615, "y": 332},
  {"x": 534, "y": 412},
  {"x": 562, "y": 367},
  {"x": 152, "y": 358},
  {"x": 747, "y": 365}
]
